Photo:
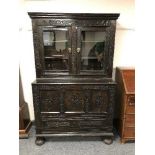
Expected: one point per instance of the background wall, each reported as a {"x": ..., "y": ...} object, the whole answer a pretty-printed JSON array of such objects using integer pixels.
[{"x": 124, "y": 42}]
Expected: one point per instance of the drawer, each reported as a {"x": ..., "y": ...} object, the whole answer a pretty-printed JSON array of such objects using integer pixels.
[
  {"x": 130, "y": 104},
  {"x": 129, "y": 132},
  {"x": 76, "y": 125},
  {"x": 129, "y": 120}
]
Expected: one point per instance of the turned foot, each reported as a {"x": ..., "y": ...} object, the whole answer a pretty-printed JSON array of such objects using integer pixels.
[
  {"x": 108, "y": 141},
  {"x": 40, "y": 141}
]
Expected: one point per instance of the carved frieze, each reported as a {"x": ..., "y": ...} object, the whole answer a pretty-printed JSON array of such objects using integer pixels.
[
  {"x": 69, "y": 22},
  {"x": 54, "y": 124}
]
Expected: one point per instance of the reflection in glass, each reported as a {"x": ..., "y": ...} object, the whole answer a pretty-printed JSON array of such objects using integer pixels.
[
  {"x": 93, "y": 50},
  {"x": 55, "y": 49}
]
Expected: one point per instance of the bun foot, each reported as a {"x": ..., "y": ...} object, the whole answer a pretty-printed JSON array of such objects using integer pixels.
[
  {"x": 108, "y": 141},
  {"x": 40, "y": 141}
]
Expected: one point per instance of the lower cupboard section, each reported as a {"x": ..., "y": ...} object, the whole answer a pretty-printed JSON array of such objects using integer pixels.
[{"x": 74, "y": 109}]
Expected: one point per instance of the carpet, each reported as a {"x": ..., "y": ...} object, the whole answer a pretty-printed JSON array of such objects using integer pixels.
[{"x": 74, "y": 146}]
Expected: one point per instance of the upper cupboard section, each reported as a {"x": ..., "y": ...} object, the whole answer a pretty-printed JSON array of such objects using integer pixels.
[{"x": 73, "y": 44}]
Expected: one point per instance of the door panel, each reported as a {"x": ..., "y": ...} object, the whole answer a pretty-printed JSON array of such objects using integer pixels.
[
  {"x": 74, "y": 101},
  {"x": 92, "y": 50},
  {"x": 49, "y": 101},
  {"x": 99, "y": 101},
  {"x": 56, "y": 48}
]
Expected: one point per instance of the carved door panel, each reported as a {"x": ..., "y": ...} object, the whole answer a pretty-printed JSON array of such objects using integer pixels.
[
  {"x": 50, "y": 101},
  {"x": 99, "y": 101},
  {"x": 74, "y": 101}
]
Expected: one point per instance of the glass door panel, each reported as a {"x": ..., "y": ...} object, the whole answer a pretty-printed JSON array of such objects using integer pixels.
[
  {"x": 56, "y": 42},
  {"x": 93, "y": 51}
]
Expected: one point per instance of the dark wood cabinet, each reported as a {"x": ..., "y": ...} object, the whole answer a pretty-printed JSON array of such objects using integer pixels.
[
  {"x": 125, "y": 78},
  {"x": 74, "y": 91}
]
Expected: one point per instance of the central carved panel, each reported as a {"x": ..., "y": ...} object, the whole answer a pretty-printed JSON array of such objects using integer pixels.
[{"x": 74, "y": 101}]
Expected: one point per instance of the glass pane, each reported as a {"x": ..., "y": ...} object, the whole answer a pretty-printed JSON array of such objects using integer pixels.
[
  {"x": 55, "y": 49},
  {"x": 93, "y": 50}
]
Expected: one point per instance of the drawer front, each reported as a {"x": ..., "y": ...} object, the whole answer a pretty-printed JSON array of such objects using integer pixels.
[
  {"x": 129, "y": 132},
  {"x": 129, "y": 120},
  {"x": 130, "y": 104},
  {"x": 69, "y": 125}
]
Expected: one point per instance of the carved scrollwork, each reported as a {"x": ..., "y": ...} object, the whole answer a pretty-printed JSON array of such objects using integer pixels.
[
  {"x": 36, "y": 104},
  {"x": 111, "y": 40},
  {"x": 50, "y": 101},
  {"x": 76, "y": 100},
  {"x": 69, "y": 22},
  {"x": 58, "y": 124},
  {"x": 51, "y": 87},
  {"x": 112, "y": 100},
  {"x": 99, "y": 101}
]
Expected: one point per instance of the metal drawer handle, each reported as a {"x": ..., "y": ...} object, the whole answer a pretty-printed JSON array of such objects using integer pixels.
[
  {"x": 131, "y": 101},
  {"x": 78, "y": 50}
]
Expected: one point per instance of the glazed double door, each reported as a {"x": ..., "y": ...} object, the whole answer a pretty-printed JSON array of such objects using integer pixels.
[{"x": 73, "y": 50}]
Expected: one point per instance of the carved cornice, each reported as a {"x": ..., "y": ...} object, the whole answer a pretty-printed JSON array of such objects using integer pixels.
[{"x": 111, "y": 16}]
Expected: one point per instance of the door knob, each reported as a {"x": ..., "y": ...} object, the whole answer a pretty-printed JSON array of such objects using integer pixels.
[
  {"x": 69, "y": 50},
  {"x": 78, "y": 50}
]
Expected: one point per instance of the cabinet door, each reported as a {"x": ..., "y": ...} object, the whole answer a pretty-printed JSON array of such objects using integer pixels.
[
  {"x": 99, "y": 101},
  {"x": 55, "y": 50},
  {"x": 93, "y": 50},
  {"x": 74, "y": 101}
]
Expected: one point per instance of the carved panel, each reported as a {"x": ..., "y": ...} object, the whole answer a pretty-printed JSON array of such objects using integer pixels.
[
  {"x": 99, "y": 101},
  {"x": 57, "y": 124},
  {"x": 36, "y": 104},
  {"x": 74, "y": 46},
  {"x": 38, "y": 49},
  {"x": 50, "y": 101},
  {"x": 74, "y": 101},
  {"x": 111, "y": 40},
  {"x": 111, "y": 103}
]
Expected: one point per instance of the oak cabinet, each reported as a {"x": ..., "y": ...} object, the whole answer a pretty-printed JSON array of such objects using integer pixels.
[{"x": 74, "y": 91}]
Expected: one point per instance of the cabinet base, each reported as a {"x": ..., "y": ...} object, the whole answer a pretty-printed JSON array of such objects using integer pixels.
[
  {"x": 108, "y": 141},
  {"x": 107, "y": 137},
  {"x": 123, "y": 140},
  {"x": 40, "y": 141}
]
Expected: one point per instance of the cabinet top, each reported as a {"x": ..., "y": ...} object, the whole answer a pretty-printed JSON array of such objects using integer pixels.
[{"x": 112, "y": 16}]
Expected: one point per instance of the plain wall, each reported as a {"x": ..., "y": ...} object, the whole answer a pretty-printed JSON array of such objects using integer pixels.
[{"x": 124, "y": 40}]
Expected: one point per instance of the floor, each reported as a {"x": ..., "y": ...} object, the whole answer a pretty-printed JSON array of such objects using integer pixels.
[{"x": 74, "y": 146}]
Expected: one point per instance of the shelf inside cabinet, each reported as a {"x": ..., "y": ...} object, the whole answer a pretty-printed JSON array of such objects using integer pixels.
[
  {"x": 91, "y": 41},
  {"x": 55, "y": 57},
  {"x": 89, "y": 57}
]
